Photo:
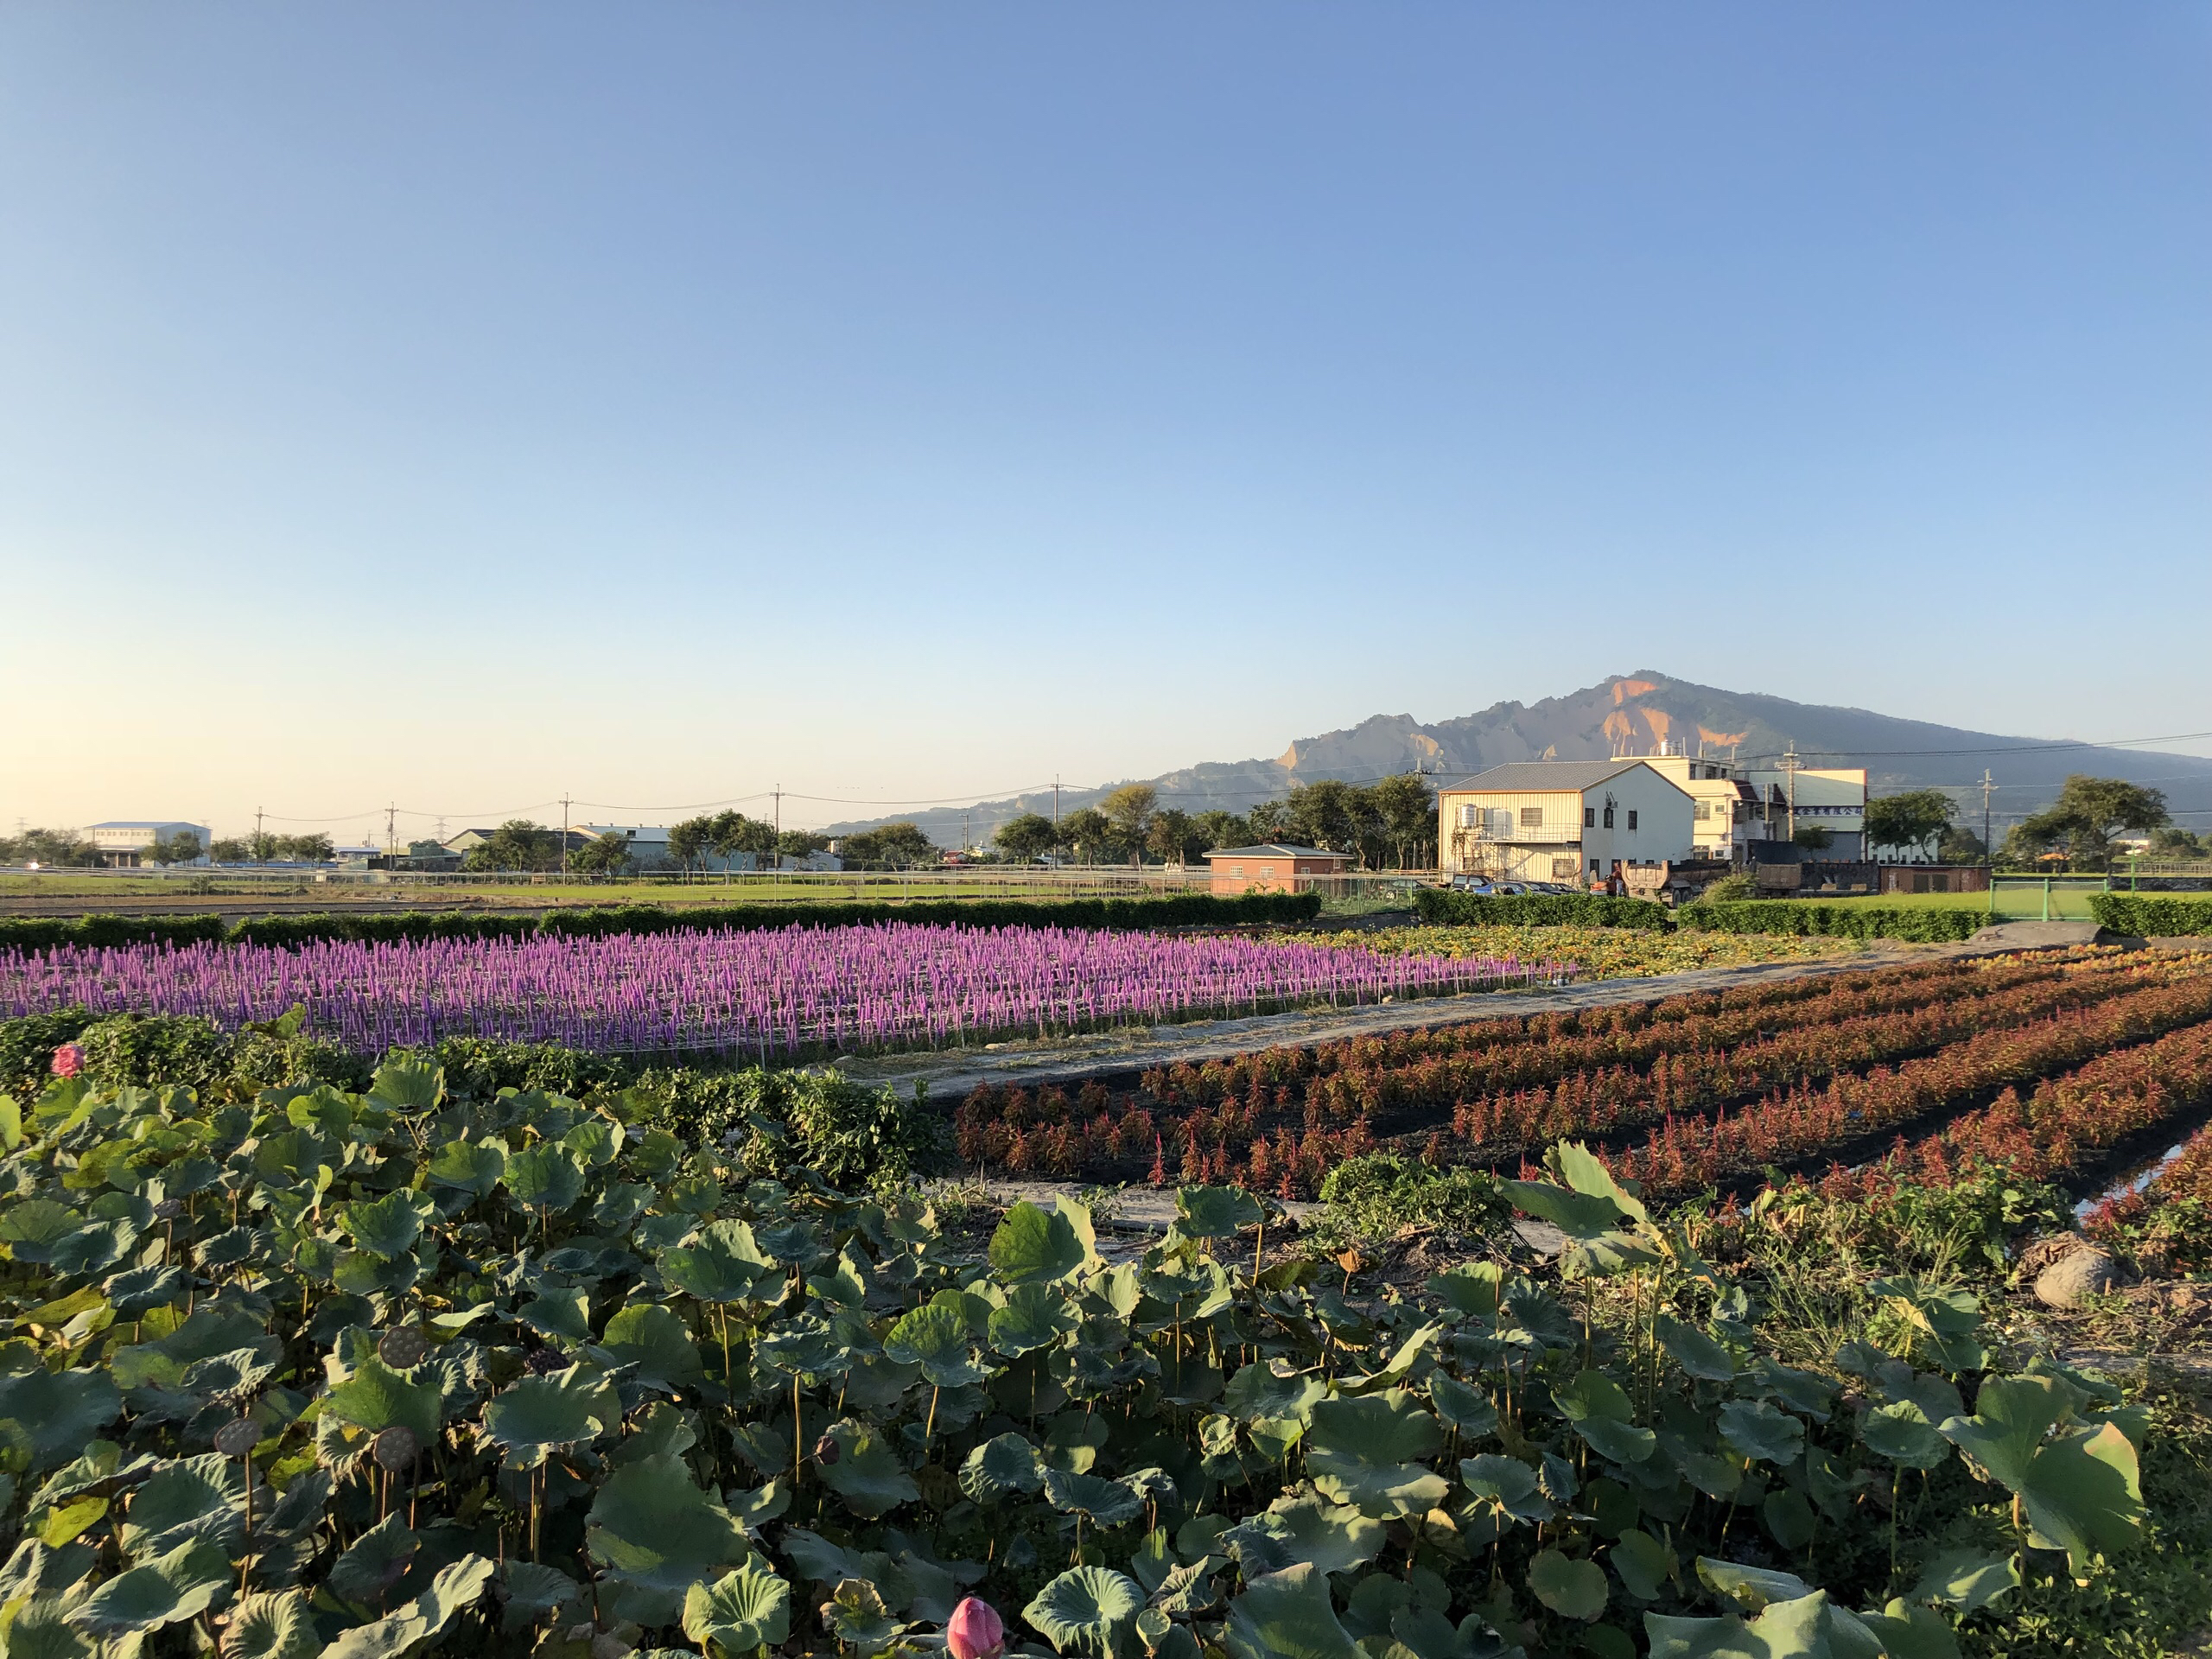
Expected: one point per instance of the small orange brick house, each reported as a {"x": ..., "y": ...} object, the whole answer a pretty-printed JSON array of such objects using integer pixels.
[{"x": 1273, "y": 868}]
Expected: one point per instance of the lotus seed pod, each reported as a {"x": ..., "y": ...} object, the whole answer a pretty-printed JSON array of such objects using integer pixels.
[
  {"x": 402, "y": 1348},
  {"x": 396, "y": 1449},
  {"x": 238, "y": 1437},
  {"x": 827, "y": 1451}
]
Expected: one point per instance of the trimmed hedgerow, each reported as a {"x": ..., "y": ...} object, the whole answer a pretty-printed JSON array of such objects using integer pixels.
[
  {"x": 2143, "y": 916},
  {"x": 1920, "y": 925},
  {"x": 1539, "y": 910}
]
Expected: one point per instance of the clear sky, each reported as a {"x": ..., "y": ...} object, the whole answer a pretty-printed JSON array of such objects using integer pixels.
[{"x": 458, "y": 405}]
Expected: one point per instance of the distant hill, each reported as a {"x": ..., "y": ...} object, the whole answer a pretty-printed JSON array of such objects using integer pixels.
[{"x": 1633, "y": 714}]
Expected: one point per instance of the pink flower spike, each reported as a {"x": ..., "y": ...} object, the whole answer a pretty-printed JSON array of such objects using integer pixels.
[
  {"x": 68, "y": 1060},
  {"x": 974, "y": 1631}
]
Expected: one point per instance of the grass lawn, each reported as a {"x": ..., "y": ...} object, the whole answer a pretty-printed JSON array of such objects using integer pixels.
[
  {"x": 1599, "y": 952},
  {"x": 2024, "y": 902}
]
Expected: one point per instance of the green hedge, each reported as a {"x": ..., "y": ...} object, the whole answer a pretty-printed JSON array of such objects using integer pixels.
[
  {"x": 1189, "y": 909},
  {"x": 2141, "y": 916},
  {"x": 1539, "y": 910},
  {"x": 1924, "y": 926}
]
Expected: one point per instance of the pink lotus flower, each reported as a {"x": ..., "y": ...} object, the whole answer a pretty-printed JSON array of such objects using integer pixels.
[
  {"x": 68, "y": 1060},
  {"x": 974, "y": 1631}
]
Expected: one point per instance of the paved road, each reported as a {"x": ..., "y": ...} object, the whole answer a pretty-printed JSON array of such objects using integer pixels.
[{"x": 949, "y": 1074}]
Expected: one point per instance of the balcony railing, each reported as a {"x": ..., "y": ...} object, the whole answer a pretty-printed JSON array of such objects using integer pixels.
[{"x": 1520, "y": 835}]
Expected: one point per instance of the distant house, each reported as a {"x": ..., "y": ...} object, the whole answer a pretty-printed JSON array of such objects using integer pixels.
[
  {"x": 1571, "y": 822},
  {"x": 1273, "y": 868},
  {"x": 121, "y": 842},
  {"x": 1833, "y": 799},
  {"x": 1727, "y": 811}
]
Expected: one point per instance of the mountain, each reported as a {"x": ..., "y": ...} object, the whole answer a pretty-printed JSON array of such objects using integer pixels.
[{"x": 1633, "y": 714}]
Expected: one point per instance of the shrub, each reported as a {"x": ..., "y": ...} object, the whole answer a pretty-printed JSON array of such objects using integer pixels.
[
  {"x": 1920, "y": 925},
  {"x": 2141, "y": 916},
  {"x": 155, "y": 1049},
  {"x": 27, "y": 1046},
  {"x": 1539, "y": 910},
  {"x": 1372, "y": 1196}
]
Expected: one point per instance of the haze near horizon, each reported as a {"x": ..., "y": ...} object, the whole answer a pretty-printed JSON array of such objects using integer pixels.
[{"x": 462, "y": 408}]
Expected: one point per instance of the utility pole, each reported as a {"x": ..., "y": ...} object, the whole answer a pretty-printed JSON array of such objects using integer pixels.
[
  {"x": 257, "y": 836},
  {"x": 390, "y": 829},
  {"x": 1989, "y": 852},
  {"x": 1790, "y": 763},
  {"x": 564, "y": 833}
]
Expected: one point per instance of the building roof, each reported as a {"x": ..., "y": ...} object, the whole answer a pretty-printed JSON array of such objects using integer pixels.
[
  {"x": 1275, "y": 850},
  {"x": 1538, "y": 777},
  {"x": 147, "y": 823}
]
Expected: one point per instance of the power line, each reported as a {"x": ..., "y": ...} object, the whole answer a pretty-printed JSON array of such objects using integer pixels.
[{"x": 2001, "y": 748}]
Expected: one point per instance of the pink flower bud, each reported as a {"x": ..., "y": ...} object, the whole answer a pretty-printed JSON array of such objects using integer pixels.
[
  {"x": 974, "y": 1631},
  {"x": 68, "y": 1060}
]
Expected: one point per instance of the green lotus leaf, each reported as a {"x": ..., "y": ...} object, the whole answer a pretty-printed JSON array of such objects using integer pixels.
[
  {"x": 1305, "y": 1529},
  {"x": 1943, "y": 1322},
  {"x": 1506, "y": 1486},
  {"x": 755, "y": 1508},
  {"x": 538, "y": 1413},
  {"x": 271, "y": 1625},
  {"x": 67, "y": 1523},
  {"x": 741, "y": 1611},
  {"x": 1803, "y": 1392},
  {"x": 408, "y": 1086},
  {"x": 201, "y": 1497},
  {"x": 1901, "y": 1631},
  {"x": 563, "y": 1314},
  {"x": 370, "y": 1568},
  {"x": 1035, "y": 1246},
  {"x": 40, "y": 1629},
  {"x": 1287, "y": 1615},
  {"x": 1466, "y": 1408},
  {"x": 936, "y": 1338},
  {"x": 651, "y": 1338},
  {"x": 1034, "y": 1316},
  {"x": 1789, "y": 1518},
  {"x": 545, "y": 1177},
  {"x": 471, "y": 1166},
  {"x": 1750, "y": 1588},
  {"x": 1601, "y": 1413},
  {"x": 1586, "y": 1174},
  {"x": 1108, "y": 1503},
  {"x": 1360, "y": 1450},
  {"x": 59, "y": 1411},
  {"x": 654, "y": 1529},
  {"x": 855, "y": 1614},
  {"x": 32, "y": 1228},
  {"x": 1472, "y": 1290},
  {"x": 531, "y": 1590},
  {"x": 422, "y": 1621},
  {"x": 1902, "y": 1433},
  {"x": 385, "y": 1227},
  {"x": 1968, "y": 1579},
  {"x": 1001, "y": 1468},
  {"x": 2080, "y": 1493},
  {"x": 1787, "y": 1629},
  {"x": 723, "y": 1264},
  {"x": 232, "y": 1375},
  {"x": 1263, "y": 1390},
  {"x": 1756, "y": 1430},
  {"x": 867, "y": 1474},
  {"x": 594, "y": 1142},
  {"x": 140, "y": 1290},
  {"x": 1643, "y": 1563},
  {"x": 1570, "y": 1588},
  {"x": 376, "y": 1398},
  {"x": 1580, "y": 1216},
  {"x": 1695, "y": 1352},
  {"x": 1215, "y": 1211},
  {"x": 1714, "y": 1473},
  {"x": 1087, "y": 1610},
  {"x": 180, "y": 1585}
]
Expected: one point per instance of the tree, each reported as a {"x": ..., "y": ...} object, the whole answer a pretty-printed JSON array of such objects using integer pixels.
[
  {"x": 517, "y": 844},
  {"x": 316, "y": 849},
  {"x": 184, "y": 847},
  {"x": 1911, "y": 819},
  {"x": 891, "y": 846},
  {"x": 1405, "y": 809},
  {"x": 1089, "y": 831},
  {"x": 1025, "y": 838},
  {"x": 1215, "y": 829},
  {"x": 2089, "y": 811},
  {"x": 1332, "y": 815},
  {"x": 1268, "y": 821},
  {"x": 1173, "y": 838},
  {"x": 1129, "y": 809},
  {"x": 1961, "y": 846},
  {"x": 230, "y": 850},
  {"x": 2171, "y": 841},
  {"x": 688, "y": 842},
  {"x": 732, "y": 835},
  {"x": 606, "y": 855},
  {"x": 49, "y": 850},
  {"x": 1815, "y": 838},
  {"x": 800, "y": 843}
]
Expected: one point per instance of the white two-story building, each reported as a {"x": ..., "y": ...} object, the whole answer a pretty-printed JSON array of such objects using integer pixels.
[{"x": 1571, "y": 822}]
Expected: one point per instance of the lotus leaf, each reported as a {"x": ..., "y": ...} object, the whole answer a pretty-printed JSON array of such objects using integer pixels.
[
  {"x": 67, "y": 1522},
  {"x": 545, "y": 1177},
  {"x": 1968, "y": 1579},
  {"x": 1586, "y": 1173},
  {"x": 140, "y": 1290},
  {"x": 2080, "y": 1492},
  {"x": 376, "y": 1397},
  {"x": 1572, "y": 1589},
  {"x": 1107, "y": 1502},
  {"x": 1036, "y": 1246},
  {"x": 855, "y": 1614},
  {"x": 1305, "y": 1529},
  {"x": 936, "y": 1338},
  {"x": 651, "y": 1339},
  {"x": 271, "y": 1625},
  {"x": 1001, "y": 1468},
  {"x": 1789, "y": 1515},
  {"x": 456, "y": 1589},
  {"x": 1902, "y": 1433},
  {"x": 867, "y": 1474},
  {"x": 564, "y": 1315},
  {"x": 1758, "y": 1430},
  {"x": 1787, "y": 1629},
  {"x": 1034, "y": 1316},
  {"x": 181, "y": 1584},
  {"x": 1472, "y": 1290},
  {"x": 1943, "y": 1322},
  {"x": 1287, "y": 1615},
  {"x": 471, "y": 1166},
  {"x": 371, "y": 1566},
  {"x": 200, "y": 1497},
  {"x": 1601, "y": 1410},
  {"x": 408, "y": 1086},
  {"x": 1087, "y": 1610},
  {"x": 1467, "y": 1409},
  {"x": 387, "y": 1227},
  {"x": 1215, "y": 1211},
  {"x": 1695, "y": 1352},
  {"x": 740, "y": 1612},
  {"x": 40, "y": 1629},
  {"x": 59, "y": 1410},
  {"x": 654, "y": 1529},
  {"x": 1643, "y": 1563},
  {"x": 723, "y": 1264},
  {"x": 1361, "y": 1450},
  {"x": 1506, "y": 1486},
  {"x": 532, "y": 1589},
  {"x": 1750, "y": 1588}
]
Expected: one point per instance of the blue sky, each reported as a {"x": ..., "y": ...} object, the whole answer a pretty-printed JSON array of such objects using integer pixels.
[{"x": 460, "y": 405}]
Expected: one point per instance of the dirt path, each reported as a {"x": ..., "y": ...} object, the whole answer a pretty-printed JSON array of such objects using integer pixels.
[{"x": 949, "y": 1074}]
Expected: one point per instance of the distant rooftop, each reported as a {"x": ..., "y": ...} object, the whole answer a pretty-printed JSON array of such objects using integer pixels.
[
  {"x": 1535, "y": 776},
  {"x": 1275, "y": 850}
]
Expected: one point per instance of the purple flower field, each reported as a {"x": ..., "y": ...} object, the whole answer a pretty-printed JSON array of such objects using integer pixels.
[{"x": 793, "y": 991}]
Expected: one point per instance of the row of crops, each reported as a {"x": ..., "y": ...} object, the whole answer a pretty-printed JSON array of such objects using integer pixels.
[
  {"x": 780, "y": 992},
  {"x": 1680, "y": 1092},
  {"x": 371, "y": 1375}
]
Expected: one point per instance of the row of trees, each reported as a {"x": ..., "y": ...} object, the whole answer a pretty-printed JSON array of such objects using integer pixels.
[
  {"x": 1388, "y": 824},
  {"x": 2078, "y": 827},
  {"x": 730, "y": 835},
  {"x": 48, "y": 849},
  {"x": 261, "y": 848}
]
